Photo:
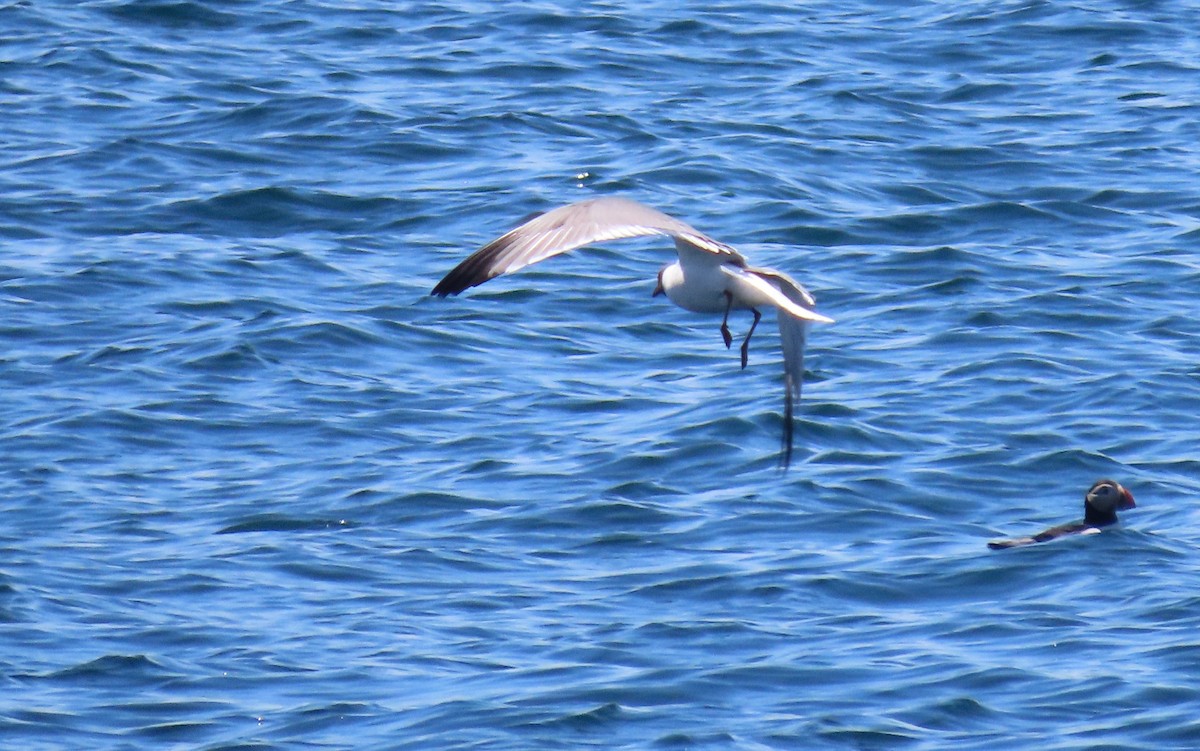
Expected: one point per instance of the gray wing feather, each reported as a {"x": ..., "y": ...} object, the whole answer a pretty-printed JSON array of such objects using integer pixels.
[
  {"x": 567, "y": 228},
  {"x": 793, "y": 334}
]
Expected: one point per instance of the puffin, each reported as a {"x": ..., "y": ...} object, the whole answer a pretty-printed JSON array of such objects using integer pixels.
[{"x": 1100, "y": 506}]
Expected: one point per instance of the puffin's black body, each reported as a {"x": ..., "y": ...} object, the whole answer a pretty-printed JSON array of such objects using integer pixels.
[{"x": 1100, "y": 506}]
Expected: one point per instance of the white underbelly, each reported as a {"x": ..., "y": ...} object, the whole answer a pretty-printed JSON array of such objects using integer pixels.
[
  {"x": 701, "y": 290},
  {"x": 699, "y": 300}
]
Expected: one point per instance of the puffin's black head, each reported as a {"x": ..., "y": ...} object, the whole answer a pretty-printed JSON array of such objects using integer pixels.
[{"x": 1104, "y": 499}]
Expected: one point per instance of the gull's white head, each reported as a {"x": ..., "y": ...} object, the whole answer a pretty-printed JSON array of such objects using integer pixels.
[{"x": 669, "y": 277}]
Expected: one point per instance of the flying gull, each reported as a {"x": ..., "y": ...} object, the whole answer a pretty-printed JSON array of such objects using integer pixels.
[{"x": 709, "y": 277}]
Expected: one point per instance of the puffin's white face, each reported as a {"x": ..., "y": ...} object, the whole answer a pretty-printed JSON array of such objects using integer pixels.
[{"x": 1108, "y": 495}]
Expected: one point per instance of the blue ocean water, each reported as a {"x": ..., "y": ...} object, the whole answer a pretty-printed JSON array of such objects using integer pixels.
[{"x": 261, "y": 491}]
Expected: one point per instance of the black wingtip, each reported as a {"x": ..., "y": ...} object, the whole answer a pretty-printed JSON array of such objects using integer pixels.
[
  {"x": 459, "y": 280},
  {"x": 473, "y": 271},
  {"x": 789, "y": 426}
]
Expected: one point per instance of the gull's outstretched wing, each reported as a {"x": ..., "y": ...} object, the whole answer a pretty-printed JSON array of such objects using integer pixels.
[
  {"x": 770, "y": 287},
  {"x": 793, "y": 334},
  {"x": 570, "y": 227}
]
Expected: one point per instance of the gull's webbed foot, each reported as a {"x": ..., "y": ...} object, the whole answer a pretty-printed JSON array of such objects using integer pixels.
[
  {"x": 725, "y": 321},
  {"x": 750, "y": 333}
]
